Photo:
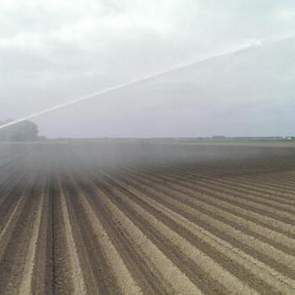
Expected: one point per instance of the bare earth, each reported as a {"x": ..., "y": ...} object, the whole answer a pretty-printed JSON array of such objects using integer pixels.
[{"x": 127, "y": 218}]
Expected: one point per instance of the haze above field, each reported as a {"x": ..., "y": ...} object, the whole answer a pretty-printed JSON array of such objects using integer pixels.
[{"x": 57, "y": 50}]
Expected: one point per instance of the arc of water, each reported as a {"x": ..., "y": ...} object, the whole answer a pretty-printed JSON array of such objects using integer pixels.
[{"x": 249, "y": 45}]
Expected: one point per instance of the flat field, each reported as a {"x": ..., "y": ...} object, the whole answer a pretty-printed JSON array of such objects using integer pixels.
[{"x": 142, "y": 218}]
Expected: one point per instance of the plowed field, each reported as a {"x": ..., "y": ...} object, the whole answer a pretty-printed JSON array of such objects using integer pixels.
[{"x": 86, "y": 219}]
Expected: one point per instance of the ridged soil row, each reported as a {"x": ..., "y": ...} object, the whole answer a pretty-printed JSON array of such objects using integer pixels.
[
  {"x": 7, "y": 229},
  {"x": 82, "y": 275},
  {"x": 26, "y": 283},
  {"x": 284, "y": 184},
  {"x": 219, "y": 255},
  {"x": 266, "y": 193},
  {"x": 141, "y": 269},
  {"x": 14, "y": 188},
  {"x": 87, "y": 270},
  {"x": 204, "y": 223},
  {"x": 100, "y": 278},
  {"x": 253, "y": 187},
  {"x": 258, "y": 269},
  {"x": 151, "y": 269},
  {"x": 263, "y": 244},
  {"x": 266, "y": 181},
  {"x": 286, "y": 215},
  {"x": 16, "y": 248},
  {"x": 61, "y": 279},
  {"x": 77, "y": 276},
  {"x": 224, "y": 204},
  {"x": 275, "y": 240},
  {"x": 211, "y": 209},
  {"x": 247, "y": 195},
  {"x": 272, "y": 198},
  {"x": 259, "y": 215},
  {"x": 168, "y": 273},
  {"x": 41, "y": 277},
  {"x": 281, "y": 183},
  {"x": 123, "y": 276},
  {"x": 94, "y": 279},
  {"x": 9, "y": 197}
]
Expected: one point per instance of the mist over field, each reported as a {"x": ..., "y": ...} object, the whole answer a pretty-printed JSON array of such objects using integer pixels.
[{"x": 147, "y": 147}]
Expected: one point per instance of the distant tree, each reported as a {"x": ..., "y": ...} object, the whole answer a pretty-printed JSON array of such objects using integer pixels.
[{"x": 24, "y": 131}]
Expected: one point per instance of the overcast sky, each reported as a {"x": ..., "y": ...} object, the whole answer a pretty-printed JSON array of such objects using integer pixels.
[{"x": 52, "y": 51}]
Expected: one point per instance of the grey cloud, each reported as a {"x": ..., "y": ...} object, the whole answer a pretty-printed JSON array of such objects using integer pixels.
[{"x": 52, "y": 51}]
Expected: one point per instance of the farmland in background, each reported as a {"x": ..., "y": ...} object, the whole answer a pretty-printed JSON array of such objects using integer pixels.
[{"x": 103, "y": 217}]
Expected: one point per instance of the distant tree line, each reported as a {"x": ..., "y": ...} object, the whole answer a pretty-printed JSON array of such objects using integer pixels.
[{"x": 24, "y": 131}]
